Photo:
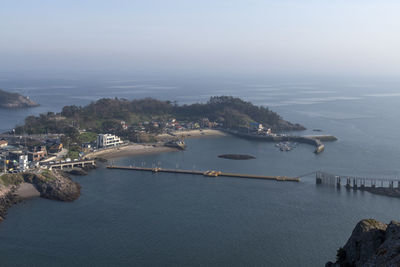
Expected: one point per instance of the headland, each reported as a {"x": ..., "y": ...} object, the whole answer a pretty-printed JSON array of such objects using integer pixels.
[{"x": 14, "y": 101}]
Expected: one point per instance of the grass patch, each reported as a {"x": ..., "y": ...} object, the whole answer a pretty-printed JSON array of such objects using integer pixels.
[
  {"x": 11, "y": 179},
  {"x": 73, "y": 154},
  {"x": 47, "y": 175},
  {"x": 87, "y": 137}
]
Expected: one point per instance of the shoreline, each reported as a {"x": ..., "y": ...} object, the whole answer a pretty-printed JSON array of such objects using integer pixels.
[
  {"x": 153, "y": 148},
  {"x": 129, "y": 150},
  {"x": 194, "y": 133}
]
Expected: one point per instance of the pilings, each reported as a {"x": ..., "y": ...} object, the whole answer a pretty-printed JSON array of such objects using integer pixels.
[
  {"x": 70, "y": 164},
  {"x": 356, "y": 183}
]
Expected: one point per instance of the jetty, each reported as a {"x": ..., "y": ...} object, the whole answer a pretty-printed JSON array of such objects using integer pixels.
[
  {"x": 315, "y": 140},
  {"x": 209, "y": 173}
]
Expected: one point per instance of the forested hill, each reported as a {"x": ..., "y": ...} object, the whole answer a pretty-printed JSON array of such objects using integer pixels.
[
  {"x": 15, "y": 100},
  {"x": 106, "y": 114}
]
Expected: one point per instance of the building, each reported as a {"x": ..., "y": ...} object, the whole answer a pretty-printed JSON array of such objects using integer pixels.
[
  {"x": 108, "y": 140},
  {"x": 3, "y": 143},
  {"x": 124, "y": 126},
  {"x": 37, "y": 155},
  {"x": 255, "y": 126},
  {"x": 23, "y": 162}
]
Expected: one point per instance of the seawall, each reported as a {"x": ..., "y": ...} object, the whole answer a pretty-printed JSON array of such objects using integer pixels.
[{"x": 311, "y": 140}]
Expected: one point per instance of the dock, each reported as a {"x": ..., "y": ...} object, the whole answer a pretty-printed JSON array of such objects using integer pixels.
[{"x": 208, "y": 173}]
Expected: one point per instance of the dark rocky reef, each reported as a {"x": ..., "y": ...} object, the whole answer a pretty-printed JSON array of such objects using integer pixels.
[
  {"x": 236, "y": 156},
  {"x": 76, "y": 171},
  {"x": 383, "y": 191},
  {"x": 372, "y": 243},
  {"x": 14, "y": 100}
]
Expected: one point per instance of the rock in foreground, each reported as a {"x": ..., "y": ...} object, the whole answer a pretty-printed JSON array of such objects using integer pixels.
[{"x": 372, "y": 243}]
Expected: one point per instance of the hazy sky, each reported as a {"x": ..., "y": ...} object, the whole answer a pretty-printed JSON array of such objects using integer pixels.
[{"x": 249, "y": 36}]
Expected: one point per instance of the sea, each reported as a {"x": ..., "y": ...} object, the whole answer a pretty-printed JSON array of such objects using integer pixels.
[{"x": 127, "y": 218}]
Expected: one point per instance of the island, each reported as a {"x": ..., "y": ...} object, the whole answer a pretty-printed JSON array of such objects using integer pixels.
[
  {"x": 14, "y": 101},
  {"x": 151, "y": 121}
]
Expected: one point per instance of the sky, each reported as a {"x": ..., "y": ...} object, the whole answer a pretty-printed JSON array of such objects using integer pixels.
[{"x": 351, "y": 37}]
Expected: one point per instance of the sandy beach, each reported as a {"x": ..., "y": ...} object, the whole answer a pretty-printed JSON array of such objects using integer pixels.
[
  {"x": 129, "y": 150},
  {"x": 27, "y": 190},
  {"x": 141, "y": 149}
]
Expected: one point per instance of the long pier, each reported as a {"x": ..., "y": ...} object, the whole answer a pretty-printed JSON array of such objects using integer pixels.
[{"x": 208, "y": 173}]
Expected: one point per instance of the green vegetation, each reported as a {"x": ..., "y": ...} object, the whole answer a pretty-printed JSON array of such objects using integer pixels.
[
  {"x": 11, "y": 179},
  {"x": 87, "y": 137},
  {"x": 73, "y": 154},
  {"x": 47, "y": 175},
  {"x": 105, "y": 115}
]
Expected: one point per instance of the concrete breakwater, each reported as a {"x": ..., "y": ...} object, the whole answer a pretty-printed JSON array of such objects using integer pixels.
[{"x": 315, "y": 140}]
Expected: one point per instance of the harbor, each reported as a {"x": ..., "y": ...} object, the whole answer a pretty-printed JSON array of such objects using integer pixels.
[{"x": 282, "y": 139}]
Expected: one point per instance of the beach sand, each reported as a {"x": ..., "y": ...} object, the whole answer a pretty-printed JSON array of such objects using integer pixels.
[
  {"x": 129, "y": 150},
  {"x": 141, "y": 149},
  {"x": 27, "y": 190}
]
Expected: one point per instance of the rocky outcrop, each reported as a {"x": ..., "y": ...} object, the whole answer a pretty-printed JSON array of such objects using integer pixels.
[
  {"x": 76, "y": 171},
  {"x": 372, "y": 243},
  {"x": 236, "y": 156},
  {"x": 6, "y": 201},
  {"x": 52, "y": 185},
  {"x": 384, "y": 191},
  {"x": 57, "y": 186},
  {"x": 15, "y": 100}
]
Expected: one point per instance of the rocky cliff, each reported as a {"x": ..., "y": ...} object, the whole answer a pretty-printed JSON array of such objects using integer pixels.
[{"x": 372, "y": 243}]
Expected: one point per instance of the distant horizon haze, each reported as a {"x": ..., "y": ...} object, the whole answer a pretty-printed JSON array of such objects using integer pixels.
[{"x": 215, "y": 37}]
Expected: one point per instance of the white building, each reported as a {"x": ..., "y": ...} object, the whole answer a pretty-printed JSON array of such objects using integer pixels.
[
  {"x": 108, "y": 140},
  {"x": 23, "y": 162}
]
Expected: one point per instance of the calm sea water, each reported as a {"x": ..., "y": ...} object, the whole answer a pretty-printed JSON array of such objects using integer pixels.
[{"x": 128, "y": 218}]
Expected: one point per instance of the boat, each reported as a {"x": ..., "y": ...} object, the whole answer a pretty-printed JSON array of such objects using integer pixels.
[{"x": 179, "y": 144}]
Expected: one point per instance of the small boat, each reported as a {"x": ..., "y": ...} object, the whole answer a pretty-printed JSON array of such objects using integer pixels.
[{"x": 179, "y": 144}]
